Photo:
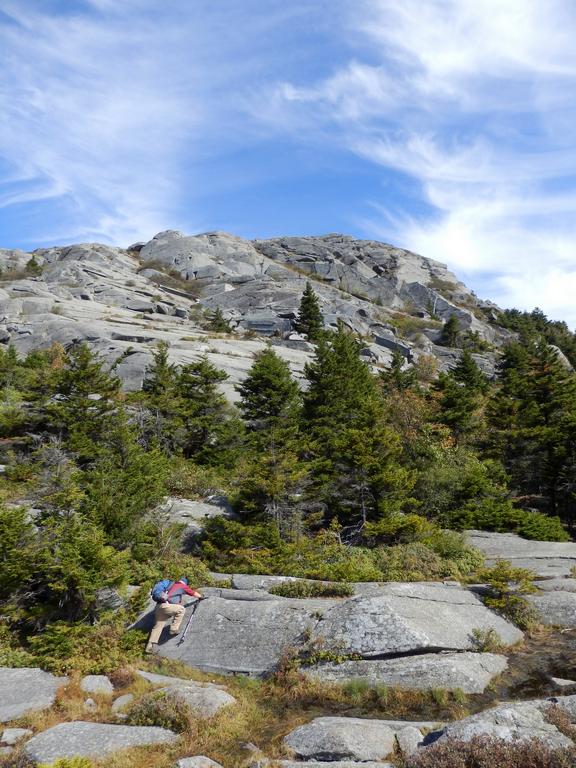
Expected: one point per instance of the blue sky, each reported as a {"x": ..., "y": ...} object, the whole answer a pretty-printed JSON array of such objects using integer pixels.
[{"x": 444, "y": 126}]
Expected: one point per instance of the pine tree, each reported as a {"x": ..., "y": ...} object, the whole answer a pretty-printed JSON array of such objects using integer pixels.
[
  {"x": 450, "y": 332},
  {"x": 467, "y": 372},
  {"x": 533, "y": 420},
  {"x": 354, "y": 453},
  {"x": 162, "y": 420},
  {"x": 309, "y": 321}
]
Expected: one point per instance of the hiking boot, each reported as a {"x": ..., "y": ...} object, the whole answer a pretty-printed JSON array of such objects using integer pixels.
[
  {"x": 151, "y": 648},
  {"x": 173, "y": 633}
]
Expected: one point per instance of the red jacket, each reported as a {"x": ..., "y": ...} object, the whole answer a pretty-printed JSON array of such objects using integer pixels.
[{"x": 178, "y": 590}]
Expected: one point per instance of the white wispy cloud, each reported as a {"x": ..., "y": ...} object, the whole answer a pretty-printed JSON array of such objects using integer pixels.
[
  {"x": 107, "y": 106},
  {"x": 475, "y": 100}
]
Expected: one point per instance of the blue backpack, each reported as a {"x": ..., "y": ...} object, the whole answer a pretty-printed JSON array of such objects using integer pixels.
[{"x": 159, "y": 592}]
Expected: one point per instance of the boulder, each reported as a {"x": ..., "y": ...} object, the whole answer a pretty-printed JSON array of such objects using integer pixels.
[
  {"x": 409, "y": 618},
  {"x": 249, "y": 581},
  {"x": 248, "y": 637},
  {"x": 199, "y": 761},
  {"x": 83, "y": 739},
  {"x": 556, "y": 608},
  {"x": 26, "y": 690},
  {"x": 122, "y": 702},
  {"x": 12, "y": 736},
  {"x": 469, "y": 672},
  {"x": 548, "y": 559},
  {"x": 204, "y": 701},
  {"x": 346, "y": 738},
  {"x": 97, "y": 684},
  {"x": 556, "y": 585},
  {"x": 167, "y": 681},
  {"x": 409, "y": 739},
  {"x": 521, "y": 721},
  {"x": 331, "y": 764}
]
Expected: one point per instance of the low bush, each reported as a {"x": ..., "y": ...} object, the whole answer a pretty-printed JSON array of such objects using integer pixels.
[
  {"x": 502, "y": 517},
  {"x": 487, "y": 640},
  {"x": 311, "y": 589},
  {"x": 482, "y": 752},
  {"x": 160, "y": 709},
  {"x": 69, "y": 762},
  {"x": 507, "y": 587},
  {"x": 99, "y": 649}
]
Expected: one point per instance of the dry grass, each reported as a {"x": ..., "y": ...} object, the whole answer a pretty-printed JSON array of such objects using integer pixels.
[{"x": 264, "y": 713}]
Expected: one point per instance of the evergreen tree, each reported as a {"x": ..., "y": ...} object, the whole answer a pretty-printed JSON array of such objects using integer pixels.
[
  {"x": 461, "y": 396},
  {"x": 217, "y": 322},
  {"x": 533, "y": 420},
  {"x": 209, "y": 430},
  {"x": 309, "y": 321},
  {"x": 85, "y": 400},
  {"x": 271, "y": 474},
  {"x": 124, "y": 484},
  {"x": 398, "y": 377},
  {"x": 162, "y": 421},
  {"x": 268, "y": 395},
  {"x": 354, "y": 453},
  {"x": 450, "y": 332}
]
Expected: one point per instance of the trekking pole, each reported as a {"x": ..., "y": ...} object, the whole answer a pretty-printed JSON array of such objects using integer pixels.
[{"x": 183, "y": 635}]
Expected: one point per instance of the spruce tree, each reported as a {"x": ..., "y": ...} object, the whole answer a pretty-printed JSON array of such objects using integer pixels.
[
  {"x": 397, "y": 377},
  {"x": 309, "y": 321},
  {"x": 217, "y": 322},
  {"x": 268, "y": 395},
  {"x": 450, "y": 332},
  {"x": 354, "y": 452},
  {"x": 86, "y": 397},
  {"x": 162, "y": 420},
  {"x": 271, "y": 474},
  {"x": 461, "y": 396},
  {"x": 209, "y": 429}
]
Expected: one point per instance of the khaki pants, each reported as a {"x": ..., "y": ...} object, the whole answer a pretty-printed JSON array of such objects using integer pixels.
[{"x": 164, "y": 612}]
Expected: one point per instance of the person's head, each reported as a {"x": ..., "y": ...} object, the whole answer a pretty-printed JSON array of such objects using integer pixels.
[{"x": 183, "y": 579}]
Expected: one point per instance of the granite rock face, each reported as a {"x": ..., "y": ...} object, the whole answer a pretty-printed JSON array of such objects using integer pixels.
[
  {"x": 557, "y": 608},
  {"x": 83, "y": 739},
  {"x": 547, "y": 559},
  {"x": 520, "y": 721},
  {"x": 468, "y": 672},
  {"x": 410, "y": 618},
  {"x": 248, "y": 631},
  {"x": 124, "y": 301},
  {"x": 26, "y": 690}
]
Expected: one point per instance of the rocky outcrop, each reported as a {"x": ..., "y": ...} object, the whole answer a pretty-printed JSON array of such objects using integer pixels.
[
  {"x": 557, "y": 608},
  {"x": 124, "y": 301},
  {"x": 396, "y": 635},
  {"x": 198, "y": 761},
  {"x": 204, "y": 699},
  {"x": 411, "y": 618},
  {"x": 350, "y": 738},
  {"x": 26, "y": 690},
  {"x": 547, "y": 559},
  {"x": 96, "y": 740},
  {"x": 521, "y": 721},
  {"x": 468, "y": 672}
]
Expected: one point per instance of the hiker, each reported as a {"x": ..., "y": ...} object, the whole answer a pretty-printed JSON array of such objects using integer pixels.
[{"x": 168, "y": 596}]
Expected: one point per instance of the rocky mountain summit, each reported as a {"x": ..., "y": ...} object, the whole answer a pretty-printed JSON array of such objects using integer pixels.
[{"x": 124, "y": 301}]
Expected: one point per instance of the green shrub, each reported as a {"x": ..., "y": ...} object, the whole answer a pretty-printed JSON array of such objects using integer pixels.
[
  {"x": 507, "y": 586},
  {"x": 99, "y": 649},
  {"x": 503, "y": 517},
  {"x": 487, "y": 640},
  {"x": 69, "y": 762},
  {"x": 160, "y": 709},
  {"x": 311, "y": 589}
]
